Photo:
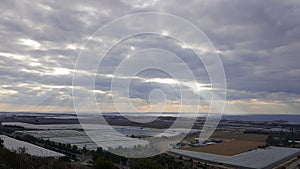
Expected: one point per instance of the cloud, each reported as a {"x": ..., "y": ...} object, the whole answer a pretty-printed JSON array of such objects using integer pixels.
[{"x": 258, "y": 43}]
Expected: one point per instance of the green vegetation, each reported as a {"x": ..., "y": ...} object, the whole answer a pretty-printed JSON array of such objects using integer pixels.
[
  {"x": 283, "y": 139},
  {"x": 102, "y": 163},
  {"x": 145, "y": 163}
]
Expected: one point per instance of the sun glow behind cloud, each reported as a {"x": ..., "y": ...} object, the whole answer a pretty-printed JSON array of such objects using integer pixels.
[
  {"x": 195, "y": 86},
  {"x": 61, "y": 71},
  {"x": 31, "y": 43}
]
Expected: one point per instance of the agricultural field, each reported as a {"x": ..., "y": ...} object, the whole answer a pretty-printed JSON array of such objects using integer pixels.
[
  {"x": 239, "y": 136},
  {"x": 228, "y": 148},
  {"x": 15, "y": 145},
  {"x": 233, "y": 143},
  {"x": 227, "y": 136},
  {"x": 98, "y": 135}
]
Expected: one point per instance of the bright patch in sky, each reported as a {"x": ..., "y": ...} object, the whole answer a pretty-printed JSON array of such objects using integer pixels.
[
  {"x": 31, "y": 43},
  {"x": 197, "y": 86},
  {"x": 193, "y": 85},
  {"x": 165, "y": 33},
  {"x": 162, "y": 80},
  {"x": 184, "y": 46},
  {"x": 71, "y": 46},
  {"x": 61, "y": 71},
  {"x": 14, "y": 56}
]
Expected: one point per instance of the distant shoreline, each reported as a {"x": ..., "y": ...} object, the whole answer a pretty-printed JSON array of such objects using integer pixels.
[{"x": 291, "y": 118}]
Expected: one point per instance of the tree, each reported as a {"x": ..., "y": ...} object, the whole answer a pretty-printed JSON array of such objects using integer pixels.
[
  {"x": 74, "y": 148},
  {"x": 84, "y": 149},
  {"x": 102, "y": 163},
  {"x": 145, "y": 163},
  {"x": 1, "y": 143}
]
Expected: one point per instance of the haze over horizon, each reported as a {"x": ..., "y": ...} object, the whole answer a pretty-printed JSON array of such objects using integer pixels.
[{"x": 257, "y": 42}]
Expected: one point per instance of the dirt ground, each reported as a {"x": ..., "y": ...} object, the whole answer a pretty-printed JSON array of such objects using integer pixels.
[
  {"x": 228, "y": 148},
  {"x": 234, "y": 143}
]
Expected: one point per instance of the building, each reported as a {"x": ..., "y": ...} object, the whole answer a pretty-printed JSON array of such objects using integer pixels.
[{"x": 256, "y": 159}]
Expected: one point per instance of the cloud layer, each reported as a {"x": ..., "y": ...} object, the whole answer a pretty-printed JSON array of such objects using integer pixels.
[{"x": 257, "y": 41}]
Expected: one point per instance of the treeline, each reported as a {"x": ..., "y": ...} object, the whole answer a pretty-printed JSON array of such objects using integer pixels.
[{"x": 284, "y": 140}]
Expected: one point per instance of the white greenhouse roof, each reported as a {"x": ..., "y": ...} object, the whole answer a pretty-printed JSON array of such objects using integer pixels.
[
  {"x": 13, "y": 144},
  {"x": 259, "y": 158}
]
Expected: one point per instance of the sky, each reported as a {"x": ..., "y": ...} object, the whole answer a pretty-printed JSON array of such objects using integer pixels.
[{"x": 258, "y": 43}]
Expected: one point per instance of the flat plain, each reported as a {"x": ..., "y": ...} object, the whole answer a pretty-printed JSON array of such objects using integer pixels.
[
  {"x": 228, "y": 148},
  {"x": 233, "y": 143}
]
